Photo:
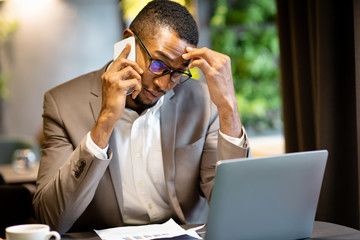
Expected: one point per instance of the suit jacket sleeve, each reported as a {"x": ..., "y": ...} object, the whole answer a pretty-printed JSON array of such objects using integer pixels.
[
  {"x": 68, "y": 174},
  {"x": 224, "y": 150}
]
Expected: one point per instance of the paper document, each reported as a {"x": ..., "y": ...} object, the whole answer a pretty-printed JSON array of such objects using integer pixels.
[{"x": 152, "y": 231}]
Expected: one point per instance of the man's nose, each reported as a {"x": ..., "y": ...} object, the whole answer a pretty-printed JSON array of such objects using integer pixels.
[{"x": 163, "y": 82}]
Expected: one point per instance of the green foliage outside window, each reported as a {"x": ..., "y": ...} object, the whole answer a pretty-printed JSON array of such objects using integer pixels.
[
  {"x": 6, "y": 29},
  {"x": 246, "y": 31}
]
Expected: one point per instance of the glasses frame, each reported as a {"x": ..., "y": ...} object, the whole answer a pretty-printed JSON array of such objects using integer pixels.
[{"x": 187, "y": 74}]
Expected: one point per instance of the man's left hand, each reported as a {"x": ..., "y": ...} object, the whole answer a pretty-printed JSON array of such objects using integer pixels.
[{"x": 217, "y": 71}]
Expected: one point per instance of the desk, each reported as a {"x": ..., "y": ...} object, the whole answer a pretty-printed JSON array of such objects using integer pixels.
[
  {"x": 322, "y": 231},
  {"x": 12, "y": 177}
]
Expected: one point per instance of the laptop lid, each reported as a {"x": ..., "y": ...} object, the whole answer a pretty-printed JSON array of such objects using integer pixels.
[{"x": 266, "y": 198}]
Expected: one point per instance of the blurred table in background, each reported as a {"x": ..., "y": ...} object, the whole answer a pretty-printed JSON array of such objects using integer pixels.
[{"x": 12, "y": 177}]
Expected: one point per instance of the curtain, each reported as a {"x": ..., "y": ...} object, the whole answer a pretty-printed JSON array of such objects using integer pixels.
[{"x": 320, "y": 87}]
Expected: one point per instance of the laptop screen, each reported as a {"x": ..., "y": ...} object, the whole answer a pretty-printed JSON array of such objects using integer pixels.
[{"x": 271, "y": 197}]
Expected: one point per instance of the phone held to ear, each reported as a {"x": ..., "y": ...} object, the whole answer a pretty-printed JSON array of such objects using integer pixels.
[{"x": 119, "y": 47}]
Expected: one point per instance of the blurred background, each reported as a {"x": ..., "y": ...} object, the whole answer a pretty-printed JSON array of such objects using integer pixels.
[
  {"x": 44, "y": 43},
  {"x": 296, "y": 70}
]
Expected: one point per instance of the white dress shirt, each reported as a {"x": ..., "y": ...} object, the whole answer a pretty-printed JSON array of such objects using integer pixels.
[
  {"x": 141, "y": 167},
  {"x": 145, "y": 197}
]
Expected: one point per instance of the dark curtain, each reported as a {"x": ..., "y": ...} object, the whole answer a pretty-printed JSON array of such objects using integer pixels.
[{"x": 320, "y": 76}]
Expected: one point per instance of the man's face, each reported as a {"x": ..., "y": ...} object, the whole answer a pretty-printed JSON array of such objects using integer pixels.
[{"x": 167, "y": 47}]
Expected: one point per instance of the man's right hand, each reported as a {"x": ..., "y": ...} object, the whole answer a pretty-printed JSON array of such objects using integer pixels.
[{"x": 120, "y": 77}]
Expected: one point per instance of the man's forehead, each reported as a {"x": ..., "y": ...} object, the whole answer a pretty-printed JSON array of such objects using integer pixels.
[
  {"x": 163, "y": 35},
  {"x": 166, "y": 44}
]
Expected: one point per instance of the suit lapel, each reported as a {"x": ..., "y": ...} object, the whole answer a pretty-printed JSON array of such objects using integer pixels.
[
  {"x": 95, "y": 93},
  {"x": 168, "y": 121},
  {"x": 114, "y": 169}
]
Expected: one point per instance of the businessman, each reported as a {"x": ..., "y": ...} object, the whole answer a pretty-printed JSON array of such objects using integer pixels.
[{"x": 137, "y": 142}]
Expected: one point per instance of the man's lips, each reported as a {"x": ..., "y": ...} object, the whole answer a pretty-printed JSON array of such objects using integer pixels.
[{"x": 155, "y": 94}]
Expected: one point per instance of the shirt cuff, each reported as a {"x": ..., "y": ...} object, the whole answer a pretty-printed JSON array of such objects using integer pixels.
[
  {"x": 95, "y": 149},
  {"x": 241, "y": 142}
]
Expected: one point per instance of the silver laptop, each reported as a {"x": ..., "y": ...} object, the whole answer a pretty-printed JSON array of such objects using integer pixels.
[{"x": 266, "y": 198}]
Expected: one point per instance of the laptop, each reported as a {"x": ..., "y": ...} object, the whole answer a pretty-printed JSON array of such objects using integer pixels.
[{"x": 267, "y": 197}]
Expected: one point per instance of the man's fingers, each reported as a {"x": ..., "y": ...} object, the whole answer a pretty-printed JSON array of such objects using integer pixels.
[
  {"x": 127, "y": 72},
  {"x": 121, "y": 61},
  {"x": 135, "y": 79},
  {"x": 201, "y": 64},
  {"x": 131, "y": 87},
  {"x": 122, "y": 64},
  {"x": 198, "y": 59},
  {"x": 125, "y": 52},
  {"x": 137, "y": 90},
  {"x": 123, "y": 80},
  {"x": 205, "y": 53},
  {"x": 207, "y": 60}
]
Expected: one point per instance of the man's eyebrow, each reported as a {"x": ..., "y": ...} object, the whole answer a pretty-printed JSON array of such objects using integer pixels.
[{"x": 164, "y": 55}]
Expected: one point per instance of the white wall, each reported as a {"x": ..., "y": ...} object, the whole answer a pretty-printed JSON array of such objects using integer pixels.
[{"x": 56, "y": 40}]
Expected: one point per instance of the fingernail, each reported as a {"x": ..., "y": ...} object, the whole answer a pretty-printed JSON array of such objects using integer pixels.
[
  {"x": 185, "y": 55},
  {"x": 189, "y": 48}
]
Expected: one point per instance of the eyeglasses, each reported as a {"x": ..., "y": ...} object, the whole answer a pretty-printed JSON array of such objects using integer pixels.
[{"x": 159, "y": 68}]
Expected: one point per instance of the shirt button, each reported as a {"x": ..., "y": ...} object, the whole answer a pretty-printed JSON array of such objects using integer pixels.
[
  {"x": 141, "y": 182},
  {"x": 137, "y": 154},
  {"x": 150, "y": 206}
]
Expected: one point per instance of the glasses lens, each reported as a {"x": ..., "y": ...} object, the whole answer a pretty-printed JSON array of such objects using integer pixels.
[
  {"x": 180, "y": 77},
  {"x": 158, "y": 67}
]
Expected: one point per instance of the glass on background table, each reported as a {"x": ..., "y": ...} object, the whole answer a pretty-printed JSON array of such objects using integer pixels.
[{"x": 11, "y": 176}]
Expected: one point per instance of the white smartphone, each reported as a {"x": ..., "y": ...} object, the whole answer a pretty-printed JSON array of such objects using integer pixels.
[{"x": 119, "y": 47}]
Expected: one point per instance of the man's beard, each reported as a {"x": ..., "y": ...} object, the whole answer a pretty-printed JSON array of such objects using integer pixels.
[{"x": 140, "y": 103}]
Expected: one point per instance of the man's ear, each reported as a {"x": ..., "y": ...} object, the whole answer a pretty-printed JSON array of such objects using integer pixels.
[{"x": 128, "y": 33}]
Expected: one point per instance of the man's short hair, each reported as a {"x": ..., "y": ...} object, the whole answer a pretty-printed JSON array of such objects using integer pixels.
[{"x": 166, "y": 14}]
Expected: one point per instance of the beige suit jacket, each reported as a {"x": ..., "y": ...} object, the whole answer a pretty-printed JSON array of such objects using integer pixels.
[{"x": 76, "y": 191}]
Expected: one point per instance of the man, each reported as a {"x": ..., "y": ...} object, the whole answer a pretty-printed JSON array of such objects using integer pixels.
[{"x": 111, "y": 158}]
